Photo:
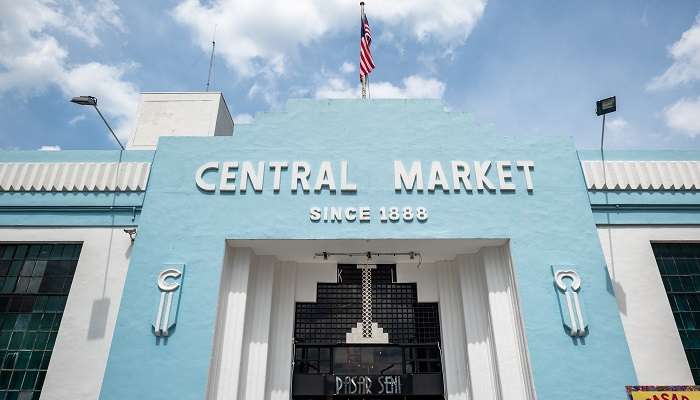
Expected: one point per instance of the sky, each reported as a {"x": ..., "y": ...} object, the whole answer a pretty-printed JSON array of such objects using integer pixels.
[{"x": 520, "y": 68}]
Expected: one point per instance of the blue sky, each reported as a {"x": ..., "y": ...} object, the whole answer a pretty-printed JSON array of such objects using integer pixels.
[{"x": 522, "y": 68}]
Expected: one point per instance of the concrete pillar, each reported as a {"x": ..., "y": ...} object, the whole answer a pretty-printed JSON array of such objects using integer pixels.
[
  {"x": 452, "y": 328},
  {"x": 224, "y": 378},
  {"x": 477, "y": 325},
  {"x": 257, "y": 330},
  {"x": 506, "y": 323},
  {"x": 281, "y": 332}
]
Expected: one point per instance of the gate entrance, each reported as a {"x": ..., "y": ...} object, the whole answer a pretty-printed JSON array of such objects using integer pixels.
[{"x": 367, "y": 337}]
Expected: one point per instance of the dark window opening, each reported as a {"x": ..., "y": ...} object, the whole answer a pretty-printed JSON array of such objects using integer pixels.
[
  {"x": 35, "y": 279},
  {"x": 679, "y": 265}
]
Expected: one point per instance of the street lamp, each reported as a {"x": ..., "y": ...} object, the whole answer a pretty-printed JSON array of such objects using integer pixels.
[
  {"x": 92, "y": 101},
  {"x": 603, "y": 107}
]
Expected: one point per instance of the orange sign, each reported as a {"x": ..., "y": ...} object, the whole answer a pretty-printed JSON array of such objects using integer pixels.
[{"x": 663, "y": 393}]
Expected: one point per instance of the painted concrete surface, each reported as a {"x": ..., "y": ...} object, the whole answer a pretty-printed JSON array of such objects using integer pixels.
[
  {"x": 52, "y": 208},
  {"x": 644, "y": 207},
  {"x": 179, "y": 114},
  {"x": 80, "y": 354},
  {"x": 181, "y": 224},
  {"x": 651, "y": 332}
]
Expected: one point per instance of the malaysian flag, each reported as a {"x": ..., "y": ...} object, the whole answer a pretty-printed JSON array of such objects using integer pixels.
[{"x": 366, "y": 62}]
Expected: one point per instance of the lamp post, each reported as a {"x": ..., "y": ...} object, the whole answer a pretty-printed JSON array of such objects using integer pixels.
[
  {"x": 604, "y": 107},
  {"x": 92, "y": 101}
]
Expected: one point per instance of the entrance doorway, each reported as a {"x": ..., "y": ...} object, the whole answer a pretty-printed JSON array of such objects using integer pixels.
[{"x": 367, "y": 337}]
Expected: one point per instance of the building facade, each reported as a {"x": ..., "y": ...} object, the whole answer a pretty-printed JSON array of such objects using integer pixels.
[{"x": 345, "y": 249}]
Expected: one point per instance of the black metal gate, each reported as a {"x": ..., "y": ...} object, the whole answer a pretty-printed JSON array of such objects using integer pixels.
[{"x": 408, "y": 367}]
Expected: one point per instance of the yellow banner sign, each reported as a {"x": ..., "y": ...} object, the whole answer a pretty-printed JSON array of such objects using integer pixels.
[{"x": 665, "y": 395}]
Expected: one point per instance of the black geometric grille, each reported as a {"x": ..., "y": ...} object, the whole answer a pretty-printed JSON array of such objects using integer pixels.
[
  {"x": 350, "y": 274},
  {"x": 34, "y": 284},
  {"x": 395, "y": 308},
  {"x": 679, "y": 265}
]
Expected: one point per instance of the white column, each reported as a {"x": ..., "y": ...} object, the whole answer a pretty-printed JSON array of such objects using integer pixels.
[
  {"x": 453, "y": 338},
  {"x": 258, "y": 330},
  {"x": 281, "y": 333},
  {"x": 225, "y": 370},
  {"x": 506, "y": 322},
  {"x": 477, "y": 325}
]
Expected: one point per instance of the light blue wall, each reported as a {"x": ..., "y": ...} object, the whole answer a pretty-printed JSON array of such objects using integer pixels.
[
  {"x": 74, "y": 208},
  {"x": 636, "y": 207},
  {"x": 180, "y": 224}
]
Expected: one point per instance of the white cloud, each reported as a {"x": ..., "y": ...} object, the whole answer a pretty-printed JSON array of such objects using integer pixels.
[
  {"x": 251, "y": 44},
  {"x": 414, "y": 87},
  {"x": 116, "y": 96},
  {"x": 619, "y": 133},
  {"x": 84, "y": 23},
  {"x": 32, "y": 59},
  {"x": 267, "y": 90},
  {"x": 347, "y": 68},
  {"x": 684, "y": 116},
  {"x": 243, "y": 119},
  {"x": 337, "y": 88},
  {"x": 618, "y": 123},
  {"x": 49, "y": 148},
  {"x": 686, "y": 61},
  {"x": 76, "y": 119}
]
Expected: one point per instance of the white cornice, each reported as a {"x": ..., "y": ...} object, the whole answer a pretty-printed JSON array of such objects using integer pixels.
[
  {"x": 642, "y": 175},
  {"x": 74, "y": 177}
]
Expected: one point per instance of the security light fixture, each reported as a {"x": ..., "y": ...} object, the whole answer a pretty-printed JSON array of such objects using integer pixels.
[
  {"x": 605, "y": 106},
  {"x": 92, "y": 101},
  {"x": 131, "y": 232},
  {"x": 84, "y": 100}
]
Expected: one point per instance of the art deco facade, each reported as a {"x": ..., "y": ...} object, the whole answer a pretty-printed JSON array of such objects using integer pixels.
[{"x": 345, "y": 249}]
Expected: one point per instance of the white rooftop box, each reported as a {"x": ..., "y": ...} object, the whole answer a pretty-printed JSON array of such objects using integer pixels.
[{"x": 179, "y": 114}]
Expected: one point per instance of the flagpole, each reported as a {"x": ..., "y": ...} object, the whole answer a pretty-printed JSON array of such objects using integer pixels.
[{"x": 363, "y": 78}]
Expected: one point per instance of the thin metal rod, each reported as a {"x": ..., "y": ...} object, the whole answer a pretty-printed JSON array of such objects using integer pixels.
[
  {"x": 211, "y": 63},
  {"x": 369, "y": 92},
  {"x": 602, "y": 136},
  {"x": 109, "y": 127},
  {"x": 602, "y": 155},
  {"x": 363, "y": 78}
]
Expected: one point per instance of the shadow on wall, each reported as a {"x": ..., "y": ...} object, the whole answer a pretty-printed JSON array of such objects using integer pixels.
[
  {"x": 99, "y": 311},
  {"x": 98, "y": 318},
  {"x": 613, "y": 286}
]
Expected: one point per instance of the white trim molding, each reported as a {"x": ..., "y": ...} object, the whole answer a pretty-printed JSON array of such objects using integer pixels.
[
  {"x": 169, "y": 281},
  {"x": 642, "y": 175},
  {"x": 84, "y": 338},
  {"x": 573, "y": 319},
  {"x": 74, "y": 177},
  {"x": 652, "y": 336}
]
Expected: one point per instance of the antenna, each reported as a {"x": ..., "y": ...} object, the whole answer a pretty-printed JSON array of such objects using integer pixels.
[{"x": 211, "y": 59}]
